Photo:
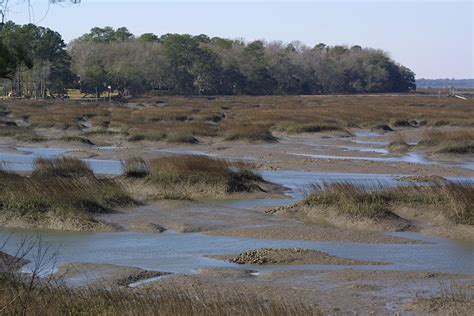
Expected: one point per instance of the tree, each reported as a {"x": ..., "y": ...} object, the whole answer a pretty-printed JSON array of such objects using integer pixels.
[
  {"x": 148, "y": 37},
  {"x": 186, "y": 64}
]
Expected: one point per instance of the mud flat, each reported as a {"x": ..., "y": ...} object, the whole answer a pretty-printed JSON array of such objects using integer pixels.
[
  {"x": 342, "y": 291},
  {"x": 287, "y": 256},
  {"x": 93, "y": 274}
]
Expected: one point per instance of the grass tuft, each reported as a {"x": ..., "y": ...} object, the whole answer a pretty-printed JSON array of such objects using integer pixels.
[
  {"x": 248, "y": 132},
  {"x": 454, "y": 201},
  {"x": 61, "y": 167},
  {"x": 451, "y": 142},
  {"x": 60, "y": 190},
  {"x": 180, "y": 177}
]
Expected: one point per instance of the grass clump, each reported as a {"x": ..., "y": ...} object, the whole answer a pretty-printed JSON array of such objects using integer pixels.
[
  {"x": 248, "y": 132},
  {"x": 78, "y": 139},
  {"x": 180, "y": 177},
  {"x": 454, "y": 201},
  {"x": 193, "y": 170},
  {"x": 60, "y": 193},
  {"x": 294, "y": 127},
  {"x": 451, "y": 142},
  {"x": 135, "y": 168},
  {"x": 350, "y": 200},
  {"x": 398, "y": 143},
  {"x": 61, "y": 168}
]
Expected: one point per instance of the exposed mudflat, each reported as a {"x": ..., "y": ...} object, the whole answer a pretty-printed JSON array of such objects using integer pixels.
[
  {"x": 204, "y": 217},
  {"x": 342, "y": 291},
  {"x": 286, "y": 256},
  {"x": 92, "y": 274}
]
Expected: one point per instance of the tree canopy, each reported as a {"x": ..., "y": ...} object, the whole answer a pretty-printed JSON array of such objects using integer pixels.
[
  {"x": 38, "y": 62},
  {"x": 186, "y": 64},
  {"x": 35, "y": 59}
]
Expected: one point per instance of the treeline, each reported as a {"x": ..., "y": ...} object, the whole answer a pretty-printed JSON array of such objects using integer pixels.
[
  {"x": 34, "y": 60},
  {"x": 186, "y": 64}
]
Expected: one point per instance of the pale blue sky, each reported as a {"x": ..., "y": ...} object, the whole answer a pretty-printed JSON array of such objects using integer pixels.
[{"x": 433, "y": 38}]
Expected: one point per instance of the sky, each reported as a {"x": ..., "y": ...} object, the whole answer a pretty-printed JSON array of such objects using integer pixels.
[{"x": 433, "y": 38}]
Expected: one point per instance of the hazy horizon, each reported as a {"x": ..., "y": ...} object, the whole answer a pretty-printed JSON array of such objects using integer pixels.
[{"x": 433, "y": 38}]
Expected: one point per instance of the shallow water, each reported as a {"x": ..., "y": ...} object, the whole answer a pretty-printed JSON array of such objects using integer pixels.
[
  {"x": 366, "y": 134},
  {"x": 184, "y": 253},
  {"x": 24, "y": 159},
  {"x": 299, "y": 183},
  {"x": 413, "y": 157}
]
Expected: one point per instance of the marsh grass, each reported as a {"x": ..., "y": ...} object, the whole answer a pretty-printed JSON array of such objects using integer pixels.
[
  {"x": 318, "y": 127},
  {"x": 454, "y": 201},
  {"x": 246, "y": 118},
  {"x": 451, "y": 142},
  {"x": 398, "y": 143},
  {"x": 176, "y": 176},
  {"x": 193, "y": 170},
  {"x": 135, "y": 167},
  {"x": 452, "y": 298},
  {"x": 22, "y": 134},
  {"x": 78, "y": 139},
  {"x": 57, "y": 299},
  {"x": 63, "y": 190},
  {"x": 61, "y": 167},
  {"x": 248, "y": 132}
]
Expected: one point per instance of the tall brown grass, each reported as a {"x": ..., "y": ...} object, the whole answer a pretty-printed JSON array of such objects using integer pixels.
[
  {"x": 193, "y": 172},
  {"x": 454, "y": 201},
  {"x": 62, "y": 190},
  {"x": 243, "y": 117},
  {"x": 398, "y": 143},
  {"x": 453, "y": 142}
]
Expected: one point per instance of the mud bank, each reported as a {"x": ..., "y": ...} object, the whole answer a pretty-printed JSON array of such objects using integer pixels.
[{"x": 288, "y": 256}]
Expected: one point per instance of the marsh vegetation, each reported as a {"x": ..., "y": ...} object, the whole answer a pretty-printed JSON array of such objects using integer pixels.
[
  {"x": 453, "y": 201},
  {"x": 193, "y": 176},
  {"x": 61, "y": 193}
]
